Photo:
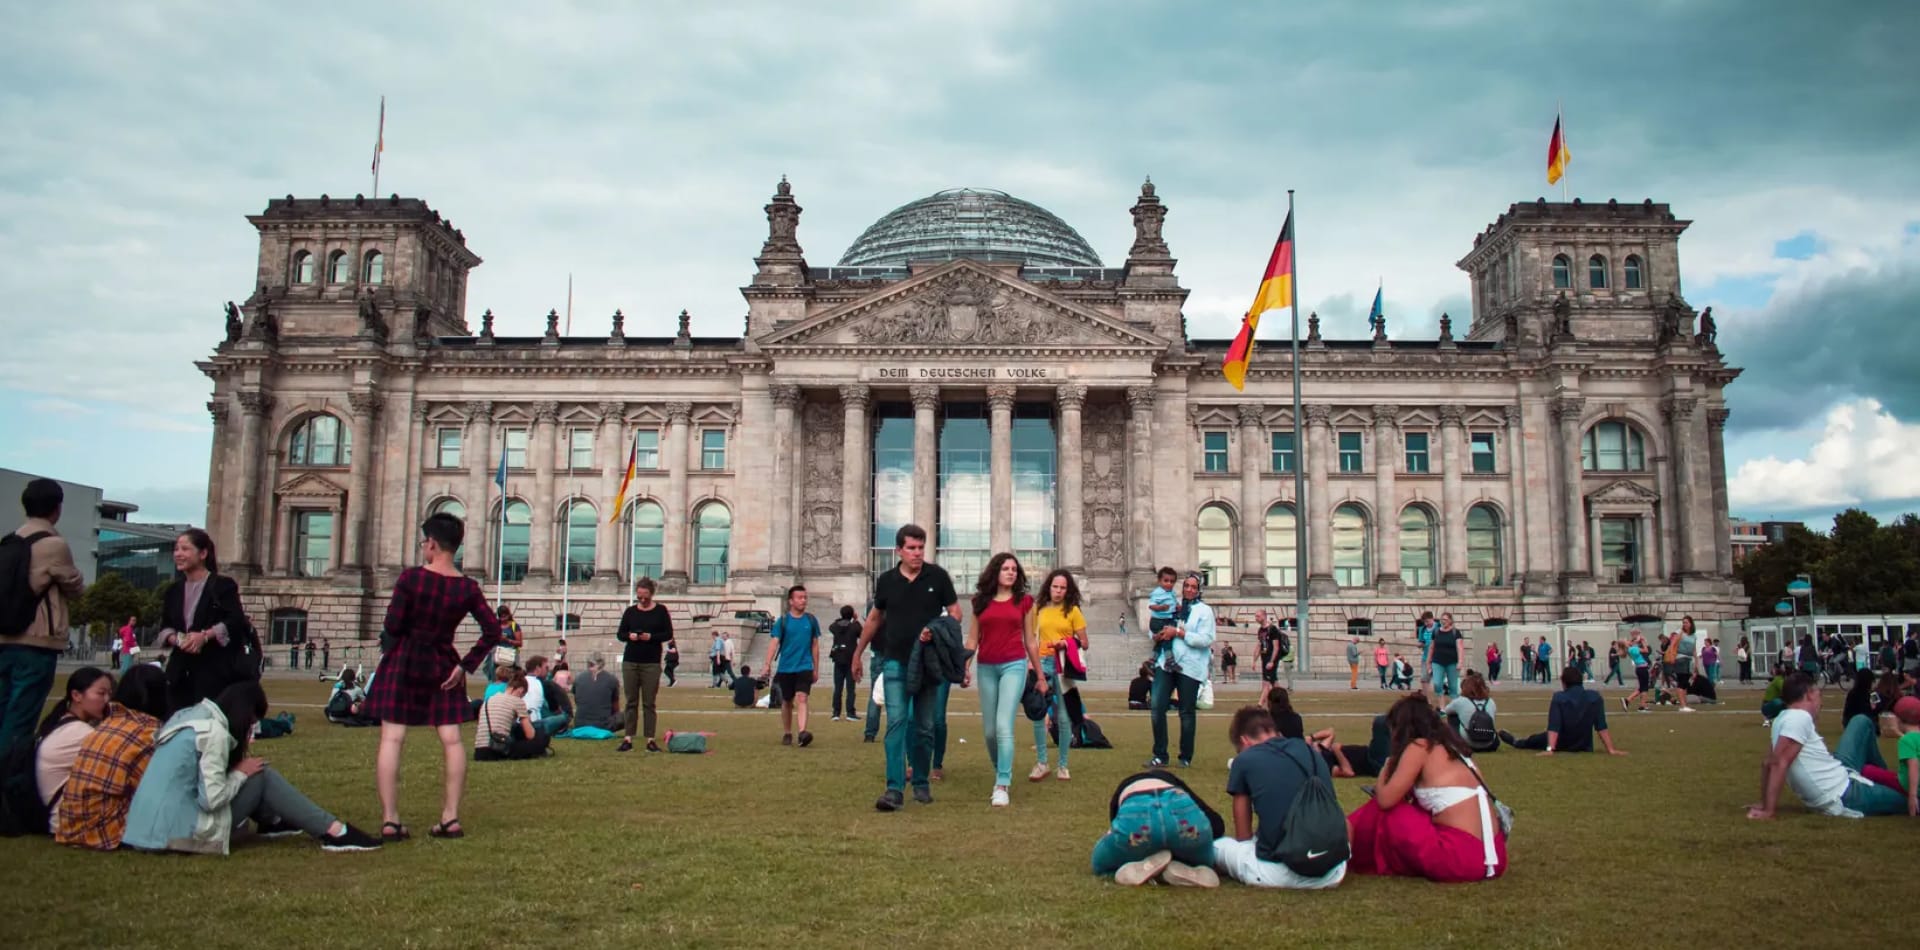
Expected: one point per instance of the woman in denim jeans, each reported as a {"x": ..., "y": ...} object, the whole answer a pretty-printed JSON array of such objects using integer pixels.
[
  {"x": 1057, "y": 620},
  {"x": 1159, "y": 828},
  {"x": 1001, "y": 638}
]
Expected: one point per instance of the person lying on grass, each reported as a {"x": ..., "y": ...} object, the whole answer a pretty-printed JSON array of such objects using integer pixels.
[
  {"x": 1159, "y": 829},
  {"x": 1828, "y": 782}
]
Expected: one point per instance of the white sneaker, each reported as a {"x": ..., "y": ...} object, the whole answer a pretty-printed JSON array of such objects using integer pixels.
[
  {"x": 1136, "y": 873},
  {"x": 836, "y": 719},
  {"x": 1686, "y": 709},
  {"x": 1062, "y": 774},
  {"x": 1187, "y": 875},
  {"x": 1000, "y": 797},
  {"x": 1039, "y": 772}
]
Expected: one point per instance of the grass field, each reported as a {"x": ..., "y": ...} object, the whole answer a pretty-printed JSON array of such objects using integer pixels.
[{"x": 770, "y": 846}]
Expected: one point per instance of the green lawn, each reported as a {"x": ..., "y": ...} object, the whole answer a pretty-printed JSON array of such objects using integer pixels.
[{"x": 759, "y": 844}]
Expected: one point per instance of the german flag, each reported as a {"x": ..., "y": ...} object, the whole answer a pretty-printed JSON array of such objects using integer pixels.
[
  {"x": 1276, "y": 291},
  {"x": 1557, "y": 154},
  {"x": 620, "y": 498}
]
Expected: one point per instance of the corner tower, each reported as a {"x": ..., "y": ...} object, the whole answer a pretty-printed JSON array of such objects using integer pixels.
[{"x": 1617, "y": 266}]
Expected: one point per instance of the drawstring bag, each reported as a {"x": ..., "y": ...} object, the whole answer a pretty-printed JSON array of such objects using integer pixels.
[{"x": 1205, "y": 699}]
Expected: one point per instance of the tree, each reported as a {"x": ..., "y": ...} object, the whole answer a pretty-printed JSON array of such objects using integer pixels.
[
  {"x": 1765, "y": 573},
  {"x": 110, "y": 601}
]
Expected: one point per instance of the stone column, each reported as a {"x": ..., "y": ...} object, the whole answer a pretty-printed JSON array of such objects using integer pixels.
[
  {"x": 476, "y": 446},
  {"x": 1140, "y": 507},
  {"x": 856, "y": 467},
  {"x": 247, "y": 529},
  {"x": 366, "y": 407},
  {"x": 1518, "y": 558},
  {"x": 217, "y": 518},
  {"x": 1453, "y": 501},
  {"x": 1316, "y": 507},
  {"x": 1695, "y": 550},
  {"x": 613, "y": 451},
  {"x": 1567, "y": 411},
  {"x": 786, "y": 399},
  {"x": 413, "y": 494},
  {"x": 541, "y": 449},
  {"x": 1253, "y": 548},
  {"x": 1000, "y": 466},
  {"x": 1386, "y": 505},
  {"x": 673, "y": 556},
  {"x": 1717, "y": 452},
  {"x": 1649, "y": 564},
  {"x": 926, "y": 461},
  {"x": 1071, "y": 554}
]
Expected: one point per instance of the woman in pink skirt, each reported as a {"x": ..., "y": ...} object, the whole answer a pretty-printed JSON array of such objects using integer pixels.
[
  {"x": 1431, "y": 815},
  {"x": 421, "y": 680}
]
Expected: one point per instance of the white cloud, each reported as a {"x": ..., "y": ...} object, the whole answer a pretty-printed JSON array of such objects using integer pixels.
[{"x": 1862, "y": 456}]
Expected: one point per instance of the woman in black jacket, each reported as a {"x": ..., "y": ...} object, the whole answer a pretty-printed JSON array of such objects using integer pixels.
[{"x": 201, "y": 619}]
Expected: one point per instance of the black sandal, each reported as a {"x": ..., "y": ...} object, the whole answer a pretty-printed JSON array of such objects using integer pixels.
[
  {"x": 393, "y": 831},
  {"x": 447, "y": 829}
]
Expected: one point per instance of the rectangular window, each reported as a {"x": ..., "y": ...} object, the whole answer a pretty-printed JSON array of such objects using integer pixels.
[
  {"x": 1619, "y": 551},
  {"x": 646, "y": 451},
  {"x": 1483, "y": 463},
  {"x": 713, "y": 450},
  {"x": 579, "y": 449},
  {"x": 312, "y": 543},
  {"x": 1283, "y": 452},
  {"x": 1417, "y": 454},
  {"x": 516, "y": 441},
  {"x": 1215, "y": 451},
  {"x": 1350, "y": 452},
  {"x": 449, "y": 448}
]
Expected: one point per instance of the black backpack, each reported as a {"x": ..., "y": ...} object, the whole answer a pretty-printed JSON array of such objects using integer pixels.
[
  {"x": 1284, "y": 644},
  {"x": 18, "y": 601},
  {"x": 1314, "y": 839},
  {"x": 1481, "y": 736},
  {"x": 1091, "y": 736}
]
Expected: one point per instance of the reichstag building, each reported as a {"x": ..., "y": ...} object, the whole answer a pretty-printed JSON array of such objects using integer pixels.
[{"x": 973, "y": 365}]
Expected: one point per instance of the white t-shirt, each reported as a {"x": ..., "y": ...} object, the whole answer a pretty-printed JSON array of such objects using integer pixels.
[
  {"x": 536, "y": 698},
  {"x": 1816, "y": 776}
]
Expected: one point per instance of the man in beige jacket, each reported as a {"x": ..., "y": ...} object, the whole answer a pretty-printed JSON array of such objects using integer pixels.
[{"x": 28, "y": 654}]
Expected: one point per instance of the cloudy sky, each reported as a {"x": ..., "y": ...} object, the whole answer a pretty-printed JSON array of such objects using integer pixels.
[{"x": 634, "y": 145}]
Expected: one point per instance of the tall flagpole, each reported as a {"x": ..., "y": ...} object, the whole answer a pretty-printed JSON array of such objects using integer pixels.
[
  {"x": 1560, "y": 122},
  {"x": 566, "y": 560},
  {"x": 1299, "y": 468},
  {"x": 569, "y": 304},
  {"x": 500, "y": 536},
  {"x": 379, "y": 145}
]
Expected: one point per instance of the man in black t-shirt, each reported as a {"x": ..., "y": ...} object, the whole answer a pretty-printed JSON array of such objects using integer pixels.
[
  {"x": 846, "y": 634},
  {"x": 906, "y": 599}
]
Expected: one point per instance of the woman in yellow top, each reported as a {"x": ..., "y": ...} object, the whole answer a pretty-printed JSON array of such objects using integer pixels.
[{"x": 1057, "y": 620}]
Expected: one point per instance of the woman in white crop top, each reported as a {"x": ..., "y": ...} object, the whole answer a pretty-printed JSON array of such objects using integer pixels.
[{"x": 1430, "y": 816}]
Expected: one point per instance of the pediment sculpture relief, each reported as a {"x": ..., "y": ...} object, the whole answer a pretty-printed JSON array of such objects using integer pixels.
[{"x": 966, "y": 308}]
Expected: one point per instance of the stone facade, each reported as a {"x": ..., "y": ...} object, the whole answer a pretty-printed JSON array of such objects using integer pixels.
[{"x": 1562, "y": 461}]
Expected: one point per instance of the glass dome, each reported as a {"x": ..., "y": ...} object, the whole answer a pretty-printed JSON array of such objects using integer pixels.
[{"x": 975, "y": 223}]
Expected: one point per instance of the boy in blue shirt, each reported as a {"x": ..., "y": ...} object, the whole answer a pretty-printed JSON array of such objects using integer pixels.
[
  {"x": 796, "y": 638},
  {"x": 1160, "y": 607}
]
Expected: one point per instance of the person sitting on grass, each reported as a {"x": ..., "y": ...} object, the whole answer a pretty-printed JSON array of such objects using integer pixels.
[
  {"x": 1575, "y": 715},
  {"x": 596, "y": 696},
  {"x": 1770, "y": 701},
  {"x": 1459, "y": 714},
  {"x": 1431, "y": 816},
  {"x": 1402, "y": 673},
  {"x": 506, "y": 731},
  {"x": 793, "y": 653},
  {"x": 1158, "y": 828},
  {"x": 63, "y": 731},
  {"x": 92, "y": 810},
  {"x": 202, "y": 785},
  {"x": 1265, "y": 778},
  {"x": 1140, "y": 691},
  {"x": 1906, "y": 712},
  {"x": 348, "y": 704},
  {"x": 546, "y": 702},
  {"x": 744, "y": 688},
  {"x": 1828, "y": 782}
]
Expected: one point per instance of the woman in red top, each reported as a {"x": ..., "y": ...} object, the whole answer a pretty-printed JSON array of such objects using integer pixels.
[
  {"x": 421, "y": 680},
  {"x": 1003, "y": 640}
]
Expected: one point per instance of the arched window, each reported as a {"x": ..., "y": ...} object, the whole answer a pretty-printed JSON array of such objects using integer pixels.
[
  {"x": 320, "y": 440},
  {"x": 374, "y": 271},
  {"x": 712, "y": 532},
  {"x": 1351, "y": 565},
  {"x": 1214, "y": 541},
  {"x": 575, "y": 533},
  {"x": 450, "y": 506},
  {"x": 339, "y": 268},
  {"x": 647, "y": 532},
  {"x": 1635, "y": 279},
  {"x": 1613, "y": 446},
  {"x": 1484, "y": 563},
  {"x": 1597, "y": 272},
  {"x": 1562, "y": 272},
  {"x": 516, "y": 537},
  {"x": 303, "y": 268},
  {"x": 1417, "y": 543},
  {"x": 1282, "y": 566}
]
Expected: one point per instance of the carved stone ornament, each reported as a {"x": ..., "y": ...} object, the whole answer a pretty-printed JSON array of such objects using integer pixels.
[
  {"x": 1446, "y": 328},
  {"x": 965, "y": 306},
  {"x": 822, "y": 427},
  {"x": 1568, "y": 408},
  {"x": 679, "y": 413},
  {"x": 1515, "y": 415},
  {"x": 1562, "y": 318},
  {"x": 486, "y": 325},
  {"x": 1452, "y": 415},
  {"x": 1141, "y": 398},
  {"x": 553, "y": 327},
  {"x": 785, "y": 395},
  {"x": 1103, "y": 486},
  {"x": 1709, "y": 335},
  {"x": 1148, "y": 217},
  {"x": 255, "y": 403},
  {"x": 619, "y": 326},
  {"x": 235, "y": 325},
  {"x": 686, "y": 327},
  {"x": 924, "y": 397},
  {"x": 1319, "y": 415},
  {"x": 1386, "y": 417},
  {"x": 1251, "y": 416},
  {"x": 783, "y": 222},
  {"x": 373, "y": 326},
  {"x": 1679, "y": 409},
  {"x": 1000, "y": 398},
  {"x": 612, "y": 411},
  {"x": 218, "y": 410},
  {"x": 1071, "y": 397},
  {"x": 856, "y": 396},
  {"x": 1717, "y": 418},
  {"x": 547, "y": 413},
  {"x": 265, "y": 327},
  {"x": 1313, "y": 328}
]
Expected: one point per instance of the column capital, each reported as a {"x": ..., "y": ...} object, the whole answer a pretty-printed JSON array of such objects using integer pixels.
[
  {"x": 785, "y": 395},
  {"x": 480, "y": 409},
  {"x": 612, "y": 410},
  {"x": 1386, "y": 416},
  {"x": 1071, "y": 396},
  {"x": 546, "y": 412},
  {"x": 1251, "y": 416},
  {"x": 1319, "y": 415},
  {"x": 1717, "y": 418},
  {"x": 255, "y": 403},
  {"x": 1141, "y": 397},
  {"x": 364, "y": 403},
  {"x": 1515, "y": 415},
  {"x": 924, "y": 397},
  {"x": 218, "y": 410},
  {"x": 856, "y": 396},
  {"x": 1000, "y": 398},
  {"x": 679, "y": 413},
  {"x": 1678, "y": 409},
  {"x": 420, "y": 410},
  {"x": 1453, "y": 415},
  {"x": 1568, "y": 408}
]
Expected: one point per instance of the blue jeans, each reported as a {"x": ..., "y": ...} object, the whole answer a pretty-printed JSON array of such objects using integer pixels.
[
  {"x": 873, "y": 704},
  {"x": 906, "y": 712},
  {"x": 938, "y": 751},
  {"x": 1058, "y": 715},
  {"x": 26, "y": 677},
  {"x": 1164, "y": 684},
  {"x": 1000, "y": 687},
  {"x": 552, "y": 725},
  {"x": 1426, "y": 669},
  {"x": 1167, "y": 819},
  {"x": 1860, "y": 746},
  {"x": 1446, "y": 679}
]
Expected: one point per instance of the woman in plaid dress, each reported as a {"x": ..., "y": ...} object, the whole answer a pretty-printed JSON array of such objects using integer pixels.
[{"x": 421, "y": 680}]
